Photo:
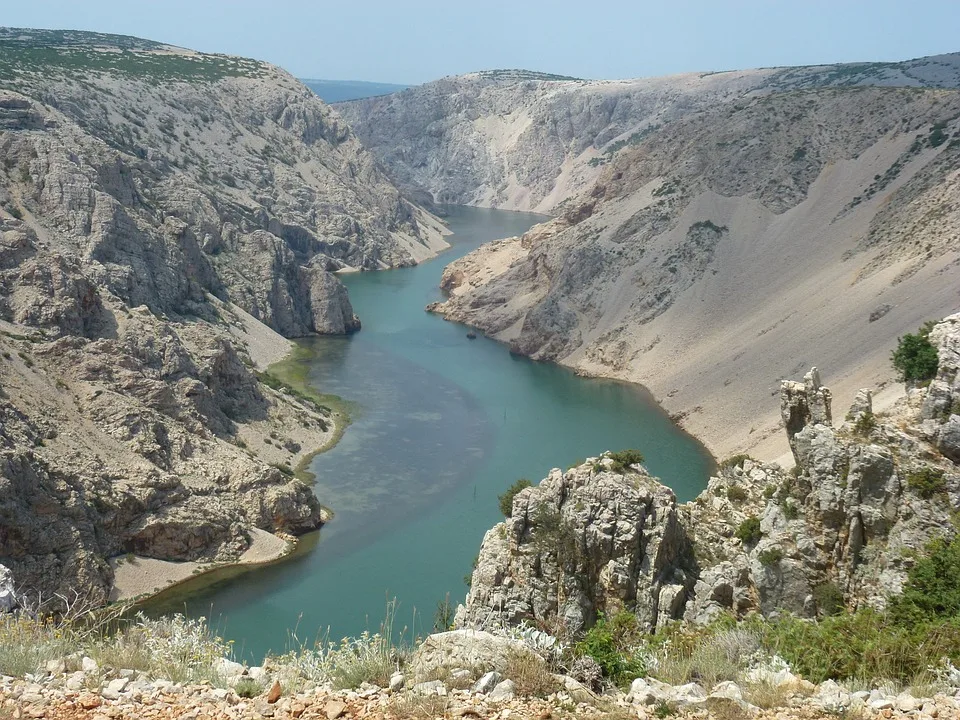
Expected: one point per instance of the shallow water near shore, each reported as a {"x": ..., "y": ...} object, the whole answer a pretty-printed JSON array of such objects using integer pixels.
[{"x": 442, "y": 424}]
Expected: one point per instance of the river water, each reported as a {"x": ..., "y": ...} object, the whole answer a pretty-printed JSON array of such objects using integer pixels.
[{"x": 441, "y": 425}]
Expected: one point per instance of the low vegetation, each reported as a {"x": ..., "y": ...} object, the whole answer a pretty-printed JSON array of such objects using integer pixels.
[
  {"x": 735, "y": 461},
  {"x": 926, "y": 482},
  {"x": 736, "y": 494},
  {"x": 506, "y": 499},
  {"x": 623, "y": 459},
  {"x": 614, "y": 645},
  {"x": 770, "y": 557},
  {"x": 175, "y": 648},
  {"x": 865, "y": 424},
  {"x": 74, "y": 53},
  {"x": 829, "y": 598},
  {"x": 749, "y": 531}
]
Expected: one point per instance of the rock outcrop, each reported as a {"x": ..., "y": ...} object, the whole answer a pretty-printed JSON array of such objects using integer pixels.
[
  {"x": 583, "y": 542},
  {"x": 841, "y": 528},
  {"x": 941, "y": 406}
]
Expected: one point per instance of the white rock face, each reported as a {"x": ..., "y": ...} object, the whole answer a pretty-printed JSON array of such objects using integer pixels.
[
  {"x": 8, "y": 600},
  {"x": 487, "y": 683},
  {"x": 503, "y": 692},
  {"x": 604, "y": 539},
  {"x": 527, "y": 141}
]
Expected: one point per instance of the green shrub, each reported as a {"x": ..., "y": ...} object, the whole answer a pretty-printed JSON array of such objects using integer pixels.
[
  {"x": 790, "y": 511},
  {"x": 612, "y": 644},
  {"x": 735, "y": 461},
  {"x": 864, "y": 646},
  {"x": 530, "y": 674},
  {"x": 664, "y": 709},
  {"x": 247, "y": 687},
  {"x": 506, "y": 500},
  {"x": 770, "y": 557},
  {"x": 749, "y": 531},
  {"x": 284, "y": 468},
  {"x": 736, "y": 494},
  {"x": 915, "y": 357},
  {"x": 443, "y": 617},
  {"x": 865, "y": 424},
  {"x": 932, "y": 591},
  {"x": 622, "y": 459},
  {"x": 829, "y": 598},
  {"x": 926, "y": 482}
]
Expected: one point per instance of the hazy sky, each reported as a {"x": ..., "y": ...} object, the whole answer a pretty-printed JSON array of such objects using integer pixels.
[{"x": 412, "y": 41}]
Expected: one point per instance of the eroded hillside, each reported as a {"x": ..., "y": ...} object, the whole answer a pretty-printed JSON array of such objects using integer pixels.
[
  {"x": 736, "y": 246},
  {"x": 165, "y": 218}
]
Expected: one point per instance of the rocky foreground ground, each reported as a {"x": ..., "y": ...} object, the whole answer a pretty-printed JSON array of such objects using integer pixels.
[{"x": 99, "y": 694}]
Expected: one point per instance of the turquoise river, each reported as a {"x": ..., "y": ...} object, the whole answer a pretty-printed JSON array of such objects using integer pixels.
[{"x": 442, "y": 424}]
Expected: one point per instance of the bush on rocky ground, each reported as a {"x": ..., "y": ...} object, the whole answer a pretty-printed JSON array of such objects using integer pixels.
[{"x": 915, "y": 357}]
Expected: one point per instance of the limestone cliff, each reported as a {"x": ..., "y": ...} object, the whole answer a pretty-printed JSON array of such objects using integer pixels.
[
  {"x": 522, "y": 140},
  {"x": 164, "y": 214},
  {"x": 842, "y": 527}
]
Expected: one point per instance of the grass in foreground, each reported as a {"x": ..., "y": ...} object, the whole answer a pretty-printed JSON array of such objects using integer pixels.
[{"x": 174, "y": 648}]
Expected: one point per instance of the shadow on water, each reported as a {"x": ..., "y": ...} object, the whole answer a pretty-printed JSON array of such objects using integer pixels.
[{"x": 443, "y": 425}]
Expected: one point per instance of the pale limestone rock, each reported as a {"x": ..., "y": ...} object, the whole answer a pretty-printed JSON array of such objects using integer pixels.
[
  {"x": 397, "y": 681},
  {"x": 503, "y": 692},
  {"x": 8, "y": 599},
  {"x": 431, "y": 687},
  {"x": 473, "y": 650}
]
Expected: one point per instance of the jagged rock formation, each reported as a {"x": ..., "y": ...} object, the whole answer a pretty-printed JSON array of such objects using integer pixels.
[
  {"x": 735, "y": 246},
  {"x": 530, "y": 141},
  {"x": 843, "y": 526},
  {"x": 159, "y": 209}
]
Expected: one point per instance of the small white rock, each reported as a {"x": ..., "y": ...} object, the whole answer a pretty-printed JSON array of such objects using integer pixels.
[
  {"x": 503, "y": 691},
  {"x": 397, "y": 681},
  {"x": 487, "y": 683}
]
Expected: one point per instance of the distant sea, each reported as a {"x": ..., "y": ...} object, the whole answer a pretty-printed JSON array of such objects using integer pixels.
[{"x": 332, "y": 91}]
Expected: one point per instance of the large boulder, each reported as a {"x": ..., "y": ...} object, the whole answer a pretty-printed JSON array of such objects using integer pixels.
[{"x": 479, "y": 652}]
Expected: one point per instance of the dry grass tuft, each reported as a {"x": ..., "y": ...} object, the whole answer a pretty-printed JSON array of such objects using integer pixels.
[
  {"x": 409, "y": 706},
  {"x": 530, "y": 674}
]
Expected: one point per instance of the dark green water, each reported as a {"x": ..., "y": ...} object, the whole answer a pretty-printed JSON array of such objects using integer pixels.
[{"x": 443, "y": 425}]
